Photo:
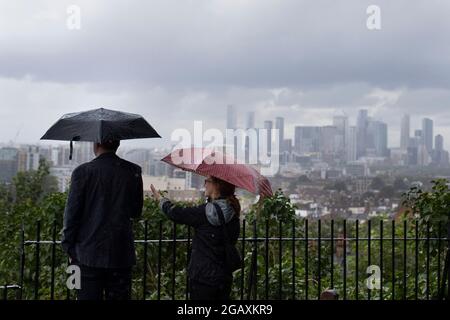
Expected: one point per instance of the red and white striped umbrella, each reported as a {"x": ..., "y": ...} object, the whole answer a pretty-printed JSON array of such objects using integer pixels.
[{"x": 208, "y": 162}]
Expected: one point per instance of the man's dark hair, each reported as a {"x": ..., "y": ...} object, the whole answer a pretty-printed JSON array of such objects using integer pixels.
[{"x": 111, "y": 145}]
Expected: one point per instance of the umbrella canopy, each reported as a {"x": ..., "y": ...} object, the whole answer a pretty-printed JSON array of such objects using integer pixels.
[
  {"x": 100, "y": 125},
  {"x": 208, "y": 162}
]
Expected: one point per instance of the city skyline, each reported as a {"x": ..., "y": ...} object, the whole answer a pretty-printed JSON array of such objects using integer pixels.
[
  {"x": 368, "y": 137},
  {"x": 242, "y": 121}
]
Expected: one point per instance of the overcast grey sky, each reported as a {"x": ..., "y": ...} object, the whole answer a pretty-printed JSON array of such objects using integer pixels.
[{"x": 177, "y": 61}]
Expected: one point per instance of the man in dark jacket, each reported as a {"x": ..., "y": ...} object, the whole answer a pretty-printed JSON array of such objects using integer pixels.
[{"x": 104, "y": 196}]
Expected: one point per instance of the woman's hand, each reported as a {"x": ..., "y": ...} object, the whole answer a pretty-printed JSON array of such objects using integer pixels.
[{"x": 155, "y": 192}]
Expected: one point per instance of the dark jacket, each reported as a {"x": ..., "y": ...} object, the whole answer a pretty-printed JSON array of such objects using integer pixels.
[
  {"x": 104, "y": 195},
  {"x": 207, "y": 264}
]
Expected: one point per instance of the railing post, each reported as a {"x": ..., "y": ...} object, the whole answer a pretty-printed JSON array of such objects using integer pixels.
[
  {"x": 381, "y": 259},
  {"x": 446, "y": 275},
  {"x": 188, "y": 258},
  {"x": 159, "y": 259},
  {"x": 332, "y": 254},
  {"x": 280, "y": 259},
  {"x": 52, "y": 283},
  {"x": 144, "y": 276},
  {"x": 22, "y": 263},
  {"x": 393, "y": 258},
  {"x": 252, "y": 280},
  {"x": 38, "y": 242},
  {"x": 266, "y": 258},
  {"x": 345, "y": 260},
  {"x": 253, "y": 277},
  {"x": 174, "y": 257},
  {"x": 293, "y": 259},
  {"x": 255, "y": 235},
  {"x": 427, "y": 275},
  {"x": 357, "y": 260},
  {"x": 416, "y": 263},
  {"x": 405, "y": 260},
  {"x": 369, "y": 259},
  {"x": 243, "y": 260},
  {"x": 448, "y": 262},
  {"x": 306, "y": 259},
  {"x": 319, "y": 254}
]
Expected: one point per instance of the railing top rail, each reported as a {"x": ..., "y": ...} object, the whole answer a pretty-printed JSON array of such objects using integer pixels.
[{"x": 252, "y": 239}]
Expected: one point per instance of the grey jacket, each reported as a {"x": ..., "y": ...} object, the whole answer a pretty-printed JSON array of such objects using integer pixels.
[{"x": 207, "y": 264}]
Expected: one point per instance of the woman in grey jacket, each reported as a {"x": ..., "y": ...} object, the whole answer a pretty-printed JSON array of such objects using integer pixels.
[{"x": 209, "y": 278}]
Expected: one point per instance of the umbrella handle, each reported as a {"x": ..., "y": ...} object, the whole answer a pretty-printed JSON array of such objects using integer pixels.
[
  {"x": 71, "y": 149},
  {"x": 76, "y": 138}
]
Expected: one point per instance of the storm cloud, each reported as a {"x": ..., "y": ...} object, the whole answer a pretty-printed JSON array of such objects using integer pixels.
[{"x": 180, "y": 61}]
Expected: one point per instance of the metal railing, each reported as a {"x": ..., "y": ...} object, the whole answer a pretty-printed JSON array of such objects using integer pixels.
[{"x": 296, "y": 259}]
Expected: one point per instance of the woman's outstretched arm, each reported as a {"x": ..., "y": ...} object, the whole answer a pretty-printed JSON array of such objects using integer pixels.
[{"x": 191, "y": 216}]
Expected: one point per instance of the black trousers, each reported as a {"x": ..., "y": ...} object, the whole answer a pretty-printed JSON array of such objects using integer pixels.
[
  {"x": 201, "y": 291},
  {"x": 102, "y": 283}
]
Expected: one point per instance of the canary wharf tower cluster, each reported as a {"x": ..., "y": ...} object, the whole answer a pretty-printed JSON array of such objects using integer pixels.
[{"x": 343, "y": 143}]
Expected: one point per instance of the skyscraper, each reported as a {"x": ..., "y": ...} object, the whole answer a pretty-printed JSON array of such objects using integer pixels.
[
  {"x": 439, "y": 143},
  {"x": 405, "y": 132},
  {"x": 279, "y": 124},
  {"x": 376, "y": 142},
  {"x": 418, "y": 137},
  {"x": 307, "y": 139},
  {"x": 361, "y": 132},
  {"x": 423, "y": 156},
  {"x": 33, "y": 157},
  {"x": 427, "y": 133},
  {"x": 83, "y": 152},
  {"x": 381, "y": 139},
  {"x": 250, "y": 124},
  {"x": 250, "y": 120},
  {"x": 141, "y": 157},
  {"x": 328, "y": 140},
  {"x": 438, "y": 154},
  {"x": 8, "y": 164},
  {"x": 341, "y": 124},
  {"x": 351, "y": 144},
  {"x": 231, "y": 117},
  {"x": 268, "y": 125}
]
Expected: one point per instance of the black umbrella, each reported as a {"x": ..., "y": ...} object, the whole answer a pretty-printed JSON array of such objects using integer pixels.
[{"x": 100, "y": 125}]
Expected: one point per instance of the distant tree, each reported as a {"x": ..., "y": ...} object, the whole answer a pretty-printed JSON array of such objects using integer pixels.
[
  {"x": 32, "y": 186},
  {"x": 431, "y": 208},
  {"x": 432, "y": 205},
  {"x": 5, "y": 198}
]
